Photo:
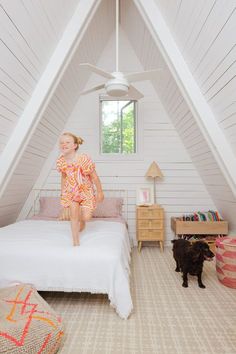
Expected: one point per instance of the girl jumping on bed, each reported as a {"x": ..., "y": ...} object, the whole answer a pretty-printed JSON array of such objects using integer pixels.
[{"x": 78, "y": 177}]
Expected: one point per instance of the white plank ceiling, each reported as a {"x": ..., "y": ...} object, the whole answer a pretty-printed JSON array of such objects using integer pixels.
[
  {"x": 59, "y": 108},
  {"x": 204, "y": 31},
  {"x": 178, "y": 20},
  {"x": 30, "y": 31}
]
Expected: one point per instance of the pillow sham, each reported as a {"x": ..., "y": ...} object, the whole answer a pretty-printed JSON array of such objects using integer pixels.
[
  {"x": 50, "y": 206},
  {"x": 109, "y": 208}
]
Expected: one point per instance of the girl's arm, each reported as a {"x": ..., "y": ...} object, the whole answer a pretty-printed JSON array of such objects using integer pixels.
[
  {"x": 97, "y": 182},
  {"x": 63, "y": 179}
]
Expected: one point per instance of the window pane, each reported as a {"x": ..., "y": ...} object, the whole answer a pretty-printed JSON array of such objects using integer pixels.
[
  {"x": 110, "y": 127},
  {"x": 118, "y": 127},
  {"x": 128, "y": 128}
]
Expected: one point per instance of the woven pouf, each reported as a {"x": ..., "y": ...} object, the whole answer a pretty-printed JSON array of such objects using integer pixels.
[
  {"x": 226, "y": 261},
  {"x": 27, "y": 323}
]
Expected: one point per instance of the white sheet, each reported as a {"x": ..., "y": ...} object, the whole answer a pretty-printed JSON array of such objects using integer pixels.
[{"x": 41, "y": 253}]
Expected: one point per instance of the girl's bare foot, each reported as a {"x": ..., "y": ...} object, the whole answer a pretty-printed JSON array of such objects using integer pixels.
[
  {"x": 82, "y": 226},
  {"x": 76, "y": 242}
]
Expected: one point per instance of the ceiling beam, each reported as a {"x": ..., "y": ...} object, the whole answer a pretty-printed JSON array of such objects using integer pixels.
[
  {"x": 200, "y": 109},
  {"x": 45, "y": 89}
]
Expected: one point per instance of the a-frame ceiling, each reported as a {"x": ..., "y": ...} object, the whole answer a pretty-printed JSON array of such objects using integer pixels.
[
  {"x": 186, "y": 104},
  {"x": 193, "y": 43}
]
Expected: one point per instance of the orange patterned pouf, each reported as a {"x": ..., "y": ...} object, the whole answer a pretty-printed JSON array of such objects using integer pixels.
[
  {"x": 226, "y": 261},
  {"x": 27, "y": 323}
]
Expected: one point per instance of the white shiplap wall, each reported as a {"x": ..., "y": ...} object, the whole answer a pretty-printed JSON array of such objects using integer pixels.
[
  {"x": 26, "y": 47},
  {"x": 181, "y": 190},
  {"x": 177, "y": 108},
  {"x": 57, "y": 112}
]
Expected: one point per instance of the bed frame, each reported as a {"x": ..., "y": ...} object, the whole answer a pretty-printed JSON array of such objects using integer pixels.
[
  {"x": 109, "y": 193},
  {"x": 109, "y": 271}
]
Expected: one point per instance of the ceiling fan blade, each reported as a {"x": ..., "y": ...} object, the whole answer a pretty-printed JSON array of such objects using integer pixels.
[
  {"x": 133, "y": 92},
  {"x": 143, "y": 75},
  {"x": 95, "y": 88},
  {"x": 97, "y": 70}
]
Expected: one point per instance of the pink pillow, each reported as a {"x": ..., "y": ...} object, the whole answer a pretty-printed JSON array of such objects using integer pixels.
[
  {"x": 50, "y": 206},
  {"x": 109, "y": 208}
]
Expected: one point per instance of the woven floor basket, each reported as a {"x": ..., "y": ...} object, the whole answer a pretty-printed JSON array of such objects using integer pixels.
[{"x": 226, "y": 261}]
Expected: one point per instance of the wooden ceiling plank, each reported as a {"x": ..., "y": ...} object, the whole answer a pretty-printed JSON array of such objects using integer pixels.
[
  {"x": 200, "y": 109},
  {"x": 45, "y": 89}
]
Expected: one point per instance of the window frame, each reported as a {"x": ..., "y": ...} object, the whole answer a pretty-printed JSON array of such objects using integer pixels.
[{"x": 119, "y": 156}]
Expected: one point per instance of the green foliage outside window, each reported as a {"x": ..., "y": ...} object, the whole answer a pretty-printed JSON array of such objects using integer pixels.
[{"x": 118, "y": 127}]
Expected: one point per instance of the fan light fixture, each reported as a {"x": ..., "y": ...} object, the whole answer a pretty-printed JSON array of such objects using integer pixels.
[{"x": 117, "y": 87}]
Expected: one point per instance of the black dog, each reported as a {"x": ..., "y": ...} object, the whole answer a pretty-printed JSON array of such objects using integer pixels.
[{"x": 190, "y": 257}]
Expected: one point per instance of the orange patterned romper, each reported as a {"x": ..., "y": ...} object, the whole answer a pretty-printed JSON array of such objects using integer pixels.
[{"x": 78, "y": 184}]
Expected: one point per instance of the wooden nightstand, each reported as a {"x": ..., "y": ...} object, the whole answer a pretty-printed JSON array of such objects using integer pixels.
[{"x": 150, "y": 224}]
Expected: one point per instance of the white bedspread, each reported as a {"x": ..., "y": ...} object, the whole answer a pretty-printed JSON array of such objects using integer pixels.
[{"x": 41, "y": 253}]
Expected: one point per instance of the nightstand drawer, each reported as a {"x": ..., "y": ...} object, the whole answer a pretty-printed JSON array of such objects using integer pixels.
[
  {"x": 150, "y": 224},
  {"x": 150, "y": 235},
  {"x": 150, "y": 213}
]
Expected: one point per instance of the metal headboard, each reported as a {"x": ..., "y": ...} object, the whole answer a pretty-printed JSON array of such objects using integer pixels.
[{"x": 115, "y": 193}]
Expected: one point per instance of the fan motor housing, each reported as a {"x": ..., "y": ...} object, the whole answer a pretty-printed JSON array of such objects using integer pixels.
[{"x": 118, "y": 86}]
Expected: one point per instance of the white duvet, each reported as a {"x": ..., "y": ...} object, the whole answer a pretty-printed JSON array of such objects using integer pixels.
[{"x": 41, "y": 253}]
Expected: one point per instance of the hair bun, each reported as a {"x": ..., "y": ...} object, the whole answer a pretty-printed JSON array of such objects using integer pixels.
[{"x": 79, "y": 140}]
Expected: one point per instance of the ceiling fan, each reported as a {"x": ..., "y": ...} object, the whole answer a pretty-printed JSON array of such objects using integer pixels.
[{"x": 118, "y": 84}]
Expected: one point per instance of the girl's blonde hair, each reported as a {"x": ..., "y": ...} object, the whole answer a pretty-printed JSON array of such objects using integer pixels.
[{"x": 77, "y": 139}]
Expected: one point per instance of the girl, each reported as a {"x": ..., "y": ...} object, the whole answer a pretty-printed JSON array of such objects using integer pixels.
[{"x": 78, "y": 177}]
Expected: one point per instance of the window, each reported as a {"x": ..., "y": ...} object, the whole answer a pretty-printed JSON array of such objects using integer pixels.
[{"x": 118, "y": 126}]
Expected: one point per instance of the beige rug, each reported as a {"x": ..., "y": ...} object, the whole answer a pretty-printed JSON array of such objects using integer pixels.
[{"x": 167, "y": 318}]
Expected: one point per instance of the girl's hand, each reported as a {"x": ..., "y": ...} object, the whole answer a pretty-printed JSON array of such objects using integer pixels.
[{"x": 100, "y": 197}]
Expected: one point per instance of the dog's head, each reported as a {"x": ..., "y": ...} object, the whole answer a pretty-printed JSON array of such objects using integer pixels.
[{"x": 201, "y": 250}]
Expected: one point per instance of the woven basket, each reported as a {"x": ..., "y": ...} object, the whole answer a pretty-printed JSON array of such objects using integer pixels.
[
  {"x": 27, "y": 323},
  {"x": 226, "y": 261}
]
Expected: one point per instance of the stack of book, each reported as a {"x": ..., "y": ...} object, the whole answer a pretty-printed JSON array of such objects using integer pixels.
[{"x": 209, "y": 215}]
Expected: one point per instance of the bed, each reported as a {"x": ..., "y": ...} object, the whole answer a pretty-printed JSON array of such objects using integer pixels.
[{"x": 39, "y": 251}]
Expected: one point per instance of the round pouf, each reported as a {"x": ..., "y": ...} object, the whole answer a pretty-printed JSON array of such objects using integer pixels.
[
  {"x": 27, "y": 323},
  {"x": 226, "y": 261}
]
